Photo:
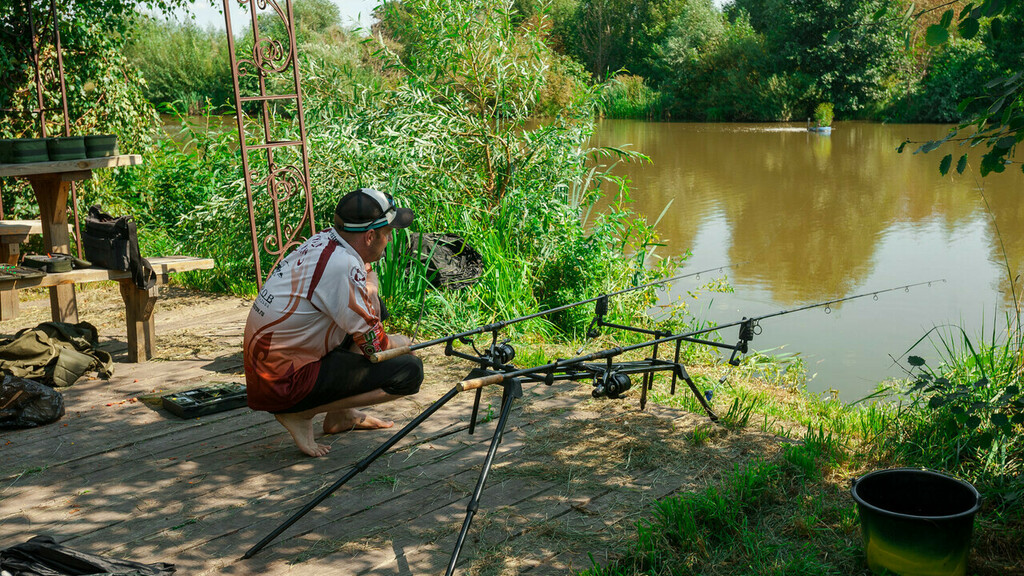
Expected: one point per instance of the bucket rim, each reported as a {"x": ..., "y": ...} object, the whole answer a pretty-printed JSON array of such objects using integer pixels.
[{"x": 861, "y": 502}]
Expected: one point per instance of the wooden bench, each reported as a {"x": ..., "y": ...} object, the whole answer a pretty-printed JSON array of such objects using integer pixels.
[
  {"x": 12, "y": 234},
  {"x": 139, "y": 304}
]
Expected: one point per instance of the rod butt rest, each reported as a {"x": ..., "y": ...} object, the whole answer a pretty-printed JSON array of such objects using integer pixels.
[
  {"x": 476, "y": 383},
  {"x": 383, "y": 355}
]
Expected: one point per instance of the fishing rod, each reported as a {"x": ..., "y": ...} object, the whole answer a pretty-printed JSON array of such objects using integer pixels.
[
  {"x": 749, "y": 327},
  {"x": 495, "y": 326},
  {"x": 610, "y": 380}
]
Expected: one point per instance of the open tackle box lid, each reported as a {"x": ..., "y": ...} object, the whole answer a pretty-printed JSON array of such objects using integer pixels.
[{"x": 217, "y": 397}]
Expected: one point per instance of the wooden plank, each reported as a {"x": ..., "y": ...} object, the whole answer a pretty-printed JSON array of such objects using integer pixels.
[
  {"x": 162, "y": 265},
  {"x": 20, "y": 227},
  {"x": 59, "y": 166}
]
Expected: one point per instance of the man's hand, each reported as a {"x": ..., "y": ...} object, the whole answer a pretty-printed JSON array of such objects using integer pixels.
[{"x": 399, "y": 340}]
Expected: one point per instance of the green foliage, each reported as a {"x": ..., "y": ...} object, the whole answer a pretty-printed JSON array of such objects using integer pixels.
[
  {"x": 182, "y": 63},
  {"x": 967, "y": 415},
  {"x": 104, "y": 92},
  {"x": 764, "y": 518},
  {"x": 958, "y": 71},
  {"x": 999, "y": 122},
  {"x": 823, "y": 114},
  {"x": 610, "y": 35},
  {"x": 627, "y": 96}
]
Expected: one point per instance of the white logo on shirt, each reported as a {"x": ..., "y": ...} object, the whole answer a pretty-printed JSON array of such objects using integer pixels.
[{"x": 358, "y": 276}]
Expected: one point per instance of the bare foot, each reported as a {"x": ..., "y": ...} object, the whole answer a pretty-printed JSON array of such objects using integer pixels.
[
  {"x": 352, "y": 419},
  {"x": 301, "y": 430}
]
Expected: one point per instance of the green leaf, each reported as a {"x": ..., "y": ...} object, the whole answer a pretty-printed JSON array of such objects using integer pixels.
[
  {"x": 995, "y": 28},
  {"x": 944, "y": 164},
  {"x": 903, "y": 145},
  {"x": 1017, "y": 419},
  {"x": 947, "y": 19},
  {"x": 1012, "y": 390},
  {"x": 880, "y": 13},
  {"x": 915, "y": 361},
  {"x": 968, "y": 28},
  {"x": 936, "y": 402},
  {"x": 1000, "y": 419},
  {"x": 961, "y": 164},
  {"x": 910, "y": 11},
  {"x": 1006, "y": 142},
  {"x": 973, "y": 422},
  {"x": 966, "y": 10},
  {"x": 936, "y": 35},
  {"x": 985, "y": 439},
  {"x": 832, "y": 38}
]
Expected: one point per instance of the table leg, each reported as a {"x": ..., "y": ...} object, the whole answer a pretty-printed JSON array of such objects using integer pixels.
[
  {"x": 9, "y": 304},
  {"x": 52, "y": 197},
  {"x": 138, "y": 307},
  {"x": 10, "y": 248}
]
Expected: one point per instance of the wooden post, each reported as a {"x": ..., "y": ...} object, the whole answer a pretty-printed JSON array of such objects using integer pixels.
[
  {"x": 9, "y": 304},
  {"x": 52, "y": 195},
  {"x": 138, "y": 314}
]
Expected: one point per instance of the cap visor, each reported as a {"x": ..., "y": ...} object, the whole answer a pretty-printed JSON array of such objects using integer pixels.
[{"x": 403, "y": 217}]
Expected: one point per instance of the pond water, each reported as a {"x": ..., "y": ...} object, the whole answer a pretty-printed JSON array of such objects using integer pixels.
[{"x": 802, "y": 217}]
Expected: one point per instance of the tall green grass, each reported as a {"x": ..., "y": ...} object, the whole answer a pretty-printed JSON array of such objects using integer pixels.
[{"x": 628, "y": 96}]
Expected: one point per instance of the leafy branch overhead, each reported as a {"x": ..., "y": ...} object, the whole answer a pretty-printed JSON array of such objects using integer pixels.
[{"x": 998, "y": 116}]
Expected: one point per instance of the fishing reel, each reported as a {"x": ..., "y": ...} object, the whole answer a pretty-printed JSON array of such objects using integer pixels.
[
  {"x": 502, "y": 353},
  {"x": 613, "y": 386}
]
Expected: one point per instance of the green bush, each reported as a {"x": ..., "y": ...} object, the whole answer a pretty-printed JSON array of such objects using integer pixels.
[
  {"x": 957, "y": 72},
  {"x": 628, "y": 96},
  {"x": 823, "y": 114},
  {"x": 182, "y": 63}
]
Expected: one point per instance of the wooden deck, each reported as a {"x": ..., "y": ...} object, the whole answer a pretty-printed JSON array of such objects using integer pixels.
[{"x": 120, "y": 476}]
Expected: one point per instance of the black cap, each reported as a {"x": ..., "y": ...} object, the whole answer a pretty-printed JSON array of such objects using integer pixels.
[{"x": 366, "y": 209}]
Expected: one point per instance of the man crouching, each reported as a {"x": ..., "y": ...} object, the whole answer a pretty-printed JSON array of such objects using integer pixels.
[{"x": 317, "y": 320}]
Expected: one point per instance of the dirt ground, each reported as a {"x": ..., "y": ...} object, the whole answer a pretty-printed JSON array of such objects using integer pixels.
[{"x": 571, "y": 479}]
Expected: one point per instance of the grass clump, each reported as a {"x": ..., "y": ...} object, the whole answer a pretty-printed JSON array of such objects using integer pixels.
[
  {"x": 628, "y": 96},
  {"x": 792, "y": 513}
]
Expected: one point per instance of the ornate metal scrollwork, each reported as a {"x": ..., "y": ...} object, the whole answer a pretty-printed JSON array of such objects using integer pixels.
[{"x": 271, "y": 59}]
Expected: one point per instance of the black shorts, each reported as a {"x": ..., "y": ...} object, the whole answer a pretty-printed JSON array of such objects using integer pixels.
[{"x": 344, "y": 373}]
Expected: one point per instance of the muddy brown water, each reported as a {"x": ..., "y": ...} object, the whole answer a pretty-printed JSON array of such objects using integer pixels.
[{"x": 806, "y": 218}]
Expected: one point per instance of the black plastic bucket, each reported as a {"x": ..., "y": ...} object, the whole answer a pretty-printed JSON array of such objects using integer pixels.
[{"x": 916, "y": 522}]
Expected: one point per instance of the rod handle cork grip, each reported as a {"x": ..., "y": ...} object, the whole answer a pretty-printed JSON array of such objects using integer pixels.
[
  {"x": 479, "y": 382},
  {"x": 388, "y": 354}
]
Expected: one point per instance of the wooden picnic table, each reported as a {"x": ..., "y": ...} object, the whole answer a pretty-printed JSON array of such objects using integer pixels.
[{"x": 51, "y": 182}]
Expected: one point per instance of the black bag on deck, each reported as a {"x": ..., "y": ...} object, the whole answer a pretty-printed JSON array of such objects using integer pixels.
[
  {"x": 26, "y": 403},
  {"x": 113, "y": 243},
  {"x": 42, "y": 556}
]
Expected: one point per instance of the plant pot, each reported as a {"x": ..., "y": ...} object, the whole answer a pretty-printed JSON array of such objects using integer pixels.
[
  {"x": 5, "y": 150},
  {"x": 66, "y": 148},
  {"x": 25, "y": 150},
  {"x": 101, "y": 145},
  {"x": 916, "y": 522}
]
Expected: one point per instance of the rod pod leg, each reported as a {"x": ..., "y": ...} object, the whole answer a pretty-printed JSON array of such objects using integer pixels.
[
  {"x": 512, "y": 391},
  {"x": 359, "y": 467},
  {"x": 696, "y": 393}
]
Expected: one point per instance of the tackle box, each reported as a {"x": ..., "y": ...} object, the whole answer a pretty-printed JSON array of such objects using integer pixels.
[{"x": 218, "y": 397}]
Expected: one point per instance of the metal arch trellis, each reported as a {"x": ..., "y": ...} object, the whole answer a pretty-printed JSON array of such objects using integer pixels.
[{"x": 270, "y": 60}]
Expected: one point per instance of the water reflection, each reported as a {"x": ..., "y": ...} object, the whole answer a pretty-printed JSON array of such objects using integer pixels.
[{"x": 816, "y": 217}]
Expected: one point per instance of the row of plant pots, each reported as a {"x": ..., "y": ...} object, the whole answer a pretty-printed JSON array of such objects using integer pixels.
[{"x": 25, "y": 150}]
